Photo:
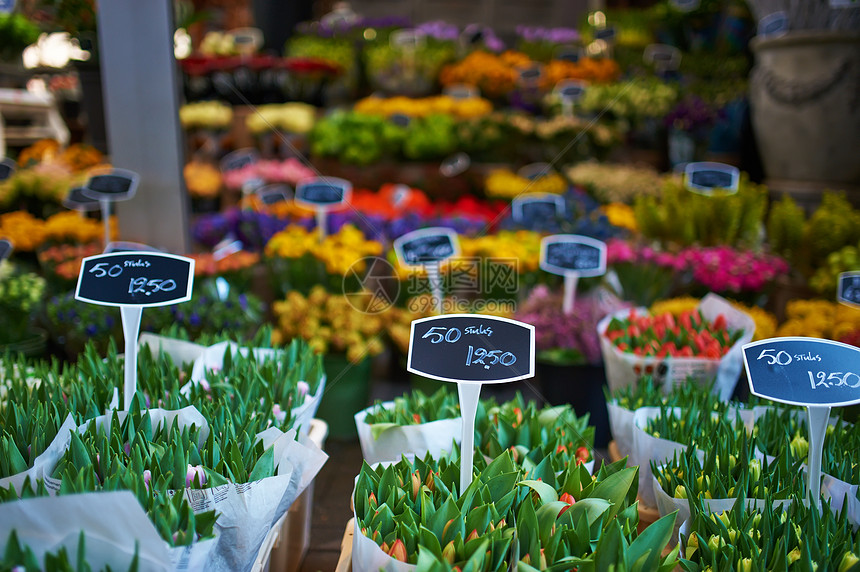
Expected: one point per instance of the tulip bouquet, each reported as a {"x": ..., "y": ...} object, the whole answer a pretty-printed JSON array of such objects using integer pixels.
[
  {"x": 21, "y": 558},
  {"x": 552, "y": 436},
  {"x": 819, "y": 319},
  {"x": 615, "y": 183},
  {"x": 504, "y": 183},
  {"x": 423, "y": 106},
  {"x": 414, "y": 423},
  {"x": 409, "y": 512},
  {"x": 205, "y": 115},
  {"x": 728, "y": 271},
  {"x": 785, "y": 432},
  {"x": 236, "y": 268},
  {"x": 413, "y": 409},
  {"x": 765, "y": 322},
  {"x": 688, "y": 335},
  {"x": 729, "y": 469},
  {"x": 289, "y": 171},
  {"x": 793, "y": 538}
]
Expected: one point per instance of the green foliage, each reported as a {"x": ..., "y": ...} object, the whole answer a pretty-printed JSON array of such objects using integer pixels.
[
  {"x": 833, "y": 225},
  {"x": 355, "y": 138},
  {"x": 684, "y": 218},
  {"x": 785, "y": 228}
]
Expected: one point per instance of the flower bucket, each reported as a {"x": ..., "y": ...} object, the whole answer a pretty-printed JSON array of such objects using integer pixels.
[
  {"x": 347, "y": 392},
  {"x": 582, "y": 387},
  {"x": 385, "y": 442}
]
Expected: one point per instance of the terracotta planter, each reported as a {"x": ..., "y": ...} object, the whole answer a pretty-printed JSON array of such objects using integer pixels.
[{"x": 805, "y": 103}]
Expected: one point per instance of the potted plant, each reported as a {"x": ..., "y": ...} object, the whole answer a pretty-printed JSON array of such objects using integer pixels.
[{"x": 802, "y": 94}]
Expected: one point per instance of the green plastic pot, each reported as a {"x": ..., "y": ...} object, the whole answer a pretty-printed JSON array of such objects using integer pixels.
[{"x": 347, "y": 391}]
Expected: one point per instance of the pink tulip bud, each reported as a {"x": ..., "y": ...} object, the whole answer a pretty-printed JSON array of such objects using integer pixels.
[
  {"x": 190, "y": 474},
  {"x": 147, "y": 476},
  {"x": 398, "y": 551},
  {"x": 303, "y": 389}
]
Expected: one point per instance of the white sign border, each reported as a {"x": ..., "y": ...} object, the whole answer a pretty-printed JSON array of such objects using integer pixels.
[
  {"x": 574, "y": 238},
  {"x": 532, "y": 357},
  {"x": 421, "y": 233}
]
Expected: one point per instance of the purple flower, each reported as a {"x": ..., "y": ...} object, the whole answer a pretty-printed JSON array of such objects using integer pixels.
[
  {"x": 192, "y": 472},
  {"x": 276, "y": 410},
  {"x": 303, "y": 388},
  {"x": 147, "y": 476}
]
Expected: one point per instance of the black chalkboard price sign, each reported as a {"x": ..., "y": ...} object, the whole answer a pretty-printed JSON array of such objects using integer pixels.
[
  {"x": 606, "y": 34},
  {"x": 135, "y": 279},
  {"x": 566, "y": 254},
  {"x": 400, "y": 119},
  {"x": 570, "y": 89},
  {"x": 78, "y": 200},
  {"x": 849, "y": 288},
  {"x": 537, "y": 207},
  {"x": 5, "y": 249},
  {"x": 706, "y": 178},
  {"x": 239, "y": 159},
  {"x": 472, "y": 348},
  {"x": 323, "y": 193},
  {"x": 426, "y": 246},
  {"x": 115, "y": 185},
  {"x": 804, "y": 371},
  {"x": 273, "y": 194},
  {"x": 7, "y": 169}
]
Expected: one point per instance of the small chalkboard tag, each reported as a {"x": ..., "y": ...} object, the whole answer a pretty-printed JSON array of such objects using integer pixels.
[
  {"x": 565, "y": 254},
  {"x": 125, "y": 246},
  {"x": 455, "y": 164},
  {"x": 461, "y": 91},
  {"x": 537, "y": 207},
  {"x": 113, "y": 185},
  {"x": 472, "y": 348},
  {"x": 78, "y": 200},
  {"x": 6, "y": 249},
  {"x": 274, "y": 194},
  {"x": 570, "y": 89},
  {"x": 400, "y": 119},
  {"x": 534, "y": 171},
  {"x": 7, "y": 169},
  {"x": 706, "y": 177},
  {"x": 140, "y": 279},
  {"x": 323, "y": 193},
  {"x": 685, "y": 5},
  {"x": 426, "y": 246},
  {"x": 662, "y": 56},
  {"x": 804, "y": 371},
  {"x": 247, "y": 40},
  {"x": 849, "y": 288},
  {"x": 239, "y": 159},
  {"x": 531, "y": 75},
  {"x": 568, "y": 53},
  {"x": 606, "y": 34},
  {"x": 773, "y": 25}
]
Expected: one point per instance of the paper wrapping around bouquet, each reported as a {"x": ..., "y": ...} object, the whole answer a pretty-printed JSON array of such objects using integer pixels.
[
  {"x": 213, "y": 358},
  {"x": 623, "y": 369},
  {"x": 114, "y": 526},
  {"x": 367, "y": 556},
  {"x": 246, "y": 511},
  {"x": 621, "y": 427},
  {"x": 386, "y": 442},
  {"x": 44, "y": 463}
]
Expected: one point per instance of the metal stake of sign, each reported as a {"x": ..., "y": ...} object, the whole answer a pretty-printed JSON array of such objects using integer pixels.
[
  {"x": 435, "y": 280},
  {"x": 321, "y": 224},
  {"x": 104, "y": 204},
  {"x": 818, "y": 417},
  {"x": 570, "y": 281},
  {"x": 470, "y": 394},
  {"x": 130, "y": 331}
]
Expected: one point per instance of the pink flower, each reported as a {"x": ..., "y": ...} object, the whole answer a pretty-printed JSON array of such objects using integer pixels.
[
  {"x": 147, "y": 476},
  {"x": 197, "y": 471},
  {"x": 303, "y": 388},
  {"x": 276, "y": 410}
]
